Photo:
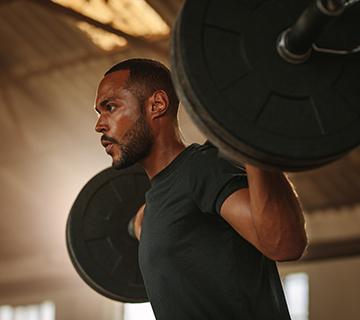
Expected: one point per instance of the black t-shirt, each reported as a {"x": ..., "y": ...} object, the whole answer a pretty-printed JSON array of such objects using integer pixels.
[{"x": 194, "y": 265}]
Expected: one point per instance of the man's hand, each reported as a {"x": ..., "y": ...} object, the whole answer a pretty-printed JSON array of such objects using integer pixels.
[{"x": 138, "y": 219}]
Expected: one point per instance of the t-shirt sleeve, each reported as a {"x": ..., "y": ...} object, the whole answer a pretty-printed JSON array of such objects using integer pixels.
[{"x": 213, "y": 178}]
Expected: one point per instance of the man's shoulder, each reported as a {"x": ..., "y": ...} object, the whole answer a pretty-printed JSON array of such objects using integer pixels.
[
  {"x": 204, "y": 151},
  {"x": 206, "y": 157}
]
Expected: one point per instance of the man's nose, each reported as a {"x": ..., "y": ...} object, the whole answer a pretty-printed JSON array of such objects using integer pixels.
[{"x": 101, "y": 125}]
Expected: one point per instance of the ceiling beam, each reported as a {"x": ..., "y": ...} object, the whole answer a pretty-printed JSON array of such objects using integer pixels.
[
  {"x": 139, "y": 42},
  {"x": 332, "y": 250}
]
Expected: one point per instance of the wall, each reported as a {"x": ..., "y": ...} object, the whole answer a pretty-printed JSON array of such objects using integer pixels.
[{"x": 334, "y": 287}]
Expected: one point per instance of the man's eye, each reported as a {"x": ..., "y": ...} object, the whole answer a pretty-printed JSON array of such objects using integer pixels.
[{"x": 110, "y": 107}]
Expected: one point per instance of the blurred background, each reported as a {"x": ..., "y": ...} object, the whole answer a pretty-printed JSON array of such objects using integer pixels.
[{"x": 52, "y": 56}]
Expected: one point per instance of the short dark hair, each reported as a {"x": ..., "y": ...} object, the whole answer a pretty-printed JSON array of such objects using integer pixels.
[{"x": 147, "y": 76}]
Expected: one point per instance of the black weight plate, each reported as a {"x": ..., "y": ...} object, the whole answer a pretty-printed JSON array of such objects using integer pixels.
[
  {"x": 252, "y": 104},
  {"x": 100, "y": 248}
]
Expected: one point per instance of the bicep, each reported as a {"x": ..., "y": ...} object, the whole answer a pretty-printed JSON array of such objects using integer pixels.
[{"x": 236, "y": 211}]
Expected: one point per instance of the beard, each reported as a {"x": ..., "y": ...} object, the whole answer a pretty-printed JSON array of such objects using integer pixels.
[{"x": 137, "y": 144}]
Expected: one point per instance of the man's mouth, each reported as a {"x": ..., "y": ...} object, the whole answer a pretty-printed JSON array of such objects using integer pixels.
[{"x": 107, "y": 144}]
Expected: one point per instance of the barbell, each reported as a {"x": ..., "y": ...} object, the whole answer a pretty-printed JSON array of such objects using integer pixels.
[{"x": 270, "y": 82}]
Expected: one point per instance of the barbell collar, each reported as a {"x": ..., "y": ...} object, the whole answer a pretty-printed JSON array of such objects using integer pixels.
[
  {"x": 288, "y": 55},
  {"x": 294, "y": 44}
]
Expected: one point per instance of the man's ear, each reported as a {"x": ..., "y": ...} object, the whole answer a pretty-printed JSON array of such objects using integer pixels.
[{"x": 159, "y": 103}]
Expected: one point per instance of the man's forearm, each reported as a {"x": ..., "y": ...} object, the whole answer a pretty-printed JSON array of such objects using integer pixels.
[{"x": 276, "y": 213}]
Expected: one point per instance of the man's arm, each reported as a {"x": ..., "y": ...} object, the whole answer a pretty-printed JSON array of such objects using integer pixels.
[{"x": 268, "y": 215}]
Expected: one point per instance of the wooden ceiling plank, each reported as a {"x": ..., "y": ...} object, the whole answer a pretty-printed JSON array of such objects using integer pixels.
[{"x": 139, "y": 42}]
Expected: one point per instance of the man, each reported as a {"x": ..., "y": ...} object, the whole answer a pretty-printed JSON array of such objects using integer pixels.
[{"x": 210, "y": 230}]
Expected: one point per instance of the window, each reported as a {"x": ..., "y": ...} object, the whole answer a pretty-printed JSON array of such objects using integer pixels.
[
  {"x": 43, "y": 311},
  {"x": 136, "y": 311},
  {"x": 296, "y": 287}
]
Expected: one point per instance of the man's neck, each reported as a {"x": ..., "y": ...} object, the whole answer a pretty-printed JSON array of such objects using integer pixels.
[{"x": 163, "y": 152}]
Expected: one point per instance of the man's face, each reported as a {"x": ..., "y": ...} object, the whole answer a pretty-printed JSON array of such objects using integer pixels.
[{"x": 126, "y": 135}]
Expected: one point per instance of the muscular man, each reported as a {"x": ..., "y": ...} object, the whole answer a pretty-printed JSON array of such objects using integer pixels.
[{"x": 211, "y": 230}]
